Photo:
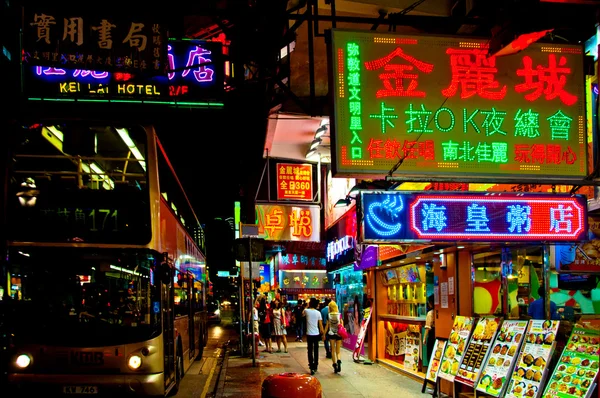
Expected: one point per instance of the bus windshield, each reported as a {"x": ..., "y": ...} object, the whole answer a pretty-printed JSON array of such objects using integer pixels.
[
  {"x": 81, "y": 297},
  {"x": 72, "y": 182}
]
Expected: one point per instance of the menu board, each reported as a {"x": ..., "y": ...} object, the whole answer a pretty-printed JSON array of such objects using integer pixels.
[
  {"x": 436, "y": 358},
  {"x": 455, "y": 349},
  {"x": 413, "y": 348},
  {"x": 577, "y": 367},
  {"x": 531, "y": 369},
  {"x": 502, "y": 358},
  {"x": 479, "y": 345}
]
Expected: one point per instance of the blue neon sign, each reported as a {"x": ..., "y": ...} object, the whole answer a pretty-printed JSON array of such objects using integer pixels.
[
  {"x": 195, "y": 73},
  {"x": 404, "y": 216}
]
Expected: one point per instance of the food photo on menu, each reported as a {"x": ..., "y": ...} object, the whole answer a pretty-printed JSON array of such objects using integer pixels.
[
  {"x": 478, "y": 348},
  {"x": 455, "y": 348},
  {"x": 577, "y": 369},
  {"x": 436, "y": 357},
  {"x": 531, "y": 368},
  {"x": 503, "y": 355}
]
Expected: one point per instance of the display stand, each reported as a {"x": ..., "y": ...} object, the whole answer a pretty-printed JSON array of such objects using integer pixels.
[{"x": 435, "y": 384}]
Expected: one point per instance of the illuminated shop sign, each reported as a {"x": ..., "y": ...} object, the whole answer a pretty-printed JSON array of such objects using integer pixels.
[
  {"x": 294, "y": 181},
  {"x": 339, "y": 246},
  {"x": 195, "y": 73},
  {"x": 399, "y": 216},
  {"x": 445, "y": 108},
  {"x": 286, "y": 222},
  {"x": 295, "y": 261},
  {"x": 93, "y": 41}
]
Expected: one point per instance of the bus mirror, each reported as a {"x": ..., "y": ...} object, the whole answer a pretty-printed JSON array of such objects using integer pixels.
[{"x": 165, "y": 273}]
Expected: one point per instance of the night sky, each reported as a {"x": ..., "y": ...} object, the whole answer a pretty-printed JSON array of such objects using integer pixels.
[{"x": 217, "y": 155}]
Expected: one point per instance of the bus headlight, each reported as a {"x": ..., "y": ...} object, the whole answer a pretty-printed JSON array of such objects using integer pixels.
[
  {"x": 23, "y": 361},
  {"x": 135, "y": 361}
]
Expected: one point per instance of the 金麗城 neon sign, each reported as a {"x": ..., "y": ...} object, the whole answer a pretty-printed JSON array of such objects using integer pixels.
[
  {"x": 398, "y": 216},
  {"x": 444, "y": 107}
]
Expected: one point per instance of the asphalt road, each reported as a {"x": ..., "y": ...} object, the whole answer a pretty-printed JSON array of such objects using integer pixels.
[{"x": 201, "y": 379}]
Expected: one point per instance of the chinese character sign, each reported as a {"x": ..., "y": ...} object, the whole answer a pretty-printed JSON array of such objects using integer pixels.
[
  {"x": 93, "y": 41},
  {"x": 440, "y": 106},
  {"x": 294, "y": 181},
  {"x": 289, "y": 223},
  {"x": 400, "y": 216},
  {"x": 195, "y": 73}
]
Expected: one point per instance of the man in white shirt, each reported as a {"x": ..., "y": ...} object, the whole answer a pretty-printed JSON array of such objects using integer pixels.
[{"x": 314, "y": 329}]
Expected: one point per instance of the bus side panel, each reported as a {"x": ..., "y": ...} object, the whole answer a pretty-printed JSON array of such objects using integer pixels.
[
  {"x": 198, "y": 334},
  {"x": 183, "y": 331}
]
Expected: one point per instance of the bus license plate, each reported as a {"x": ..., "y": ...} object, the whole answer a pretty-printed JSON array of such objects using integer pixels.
[{"x": 80, "y": 390}]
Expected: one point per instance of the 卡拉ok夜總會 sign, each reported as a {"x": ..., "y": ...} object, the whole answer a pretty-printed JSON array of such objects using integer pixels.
[
  {"x": 446, "y": 109},
  {"x": 394, "y": 216}
]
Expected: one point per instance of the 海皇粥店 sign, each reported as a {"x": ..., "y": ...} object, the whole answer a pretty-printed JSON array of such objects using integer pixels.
[
  {"x": 445, "y": 108},
  {"x": 294, "y": 181},
  {"x": 410, "y": 216}
]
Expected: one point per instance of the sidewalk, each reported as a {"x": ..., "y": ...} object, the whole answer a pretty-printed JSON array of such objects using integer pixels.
[{"x": 239, "y": 378}]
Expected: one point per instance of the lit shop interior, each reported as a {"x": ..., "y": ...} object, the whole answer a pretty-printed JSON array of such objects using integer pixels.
[{"x": 504, "y": 279}]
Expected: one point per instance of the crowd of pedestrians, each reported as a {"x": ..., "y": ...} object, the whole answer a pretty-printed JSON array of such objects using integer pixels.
[{"x": 312, "y": 321}]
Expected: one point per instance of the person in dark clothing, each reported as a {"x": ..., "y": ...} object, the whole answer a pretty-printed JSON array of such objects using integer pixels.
[
  {"x": 324, "y": 315},
  {"x": 537, "y": 309},
  {"x": 300, "y": 324},
  {"x": 429, "y": 337}
]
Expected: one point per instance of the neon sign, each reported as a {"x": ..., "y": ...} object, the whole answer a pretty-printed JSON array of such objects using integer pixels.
[
  {"x": 195, "y": 73},
  {"x": 339, "y": 246},
  {"x": 445, "y": 108},
  {"x": 400, "y": 216},
  {"x": 284, "y": 222}
]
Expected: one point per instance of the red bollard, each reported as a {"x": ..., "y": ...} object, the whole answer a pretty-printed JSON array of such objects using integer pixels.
[{"x": 291, "y": 385}]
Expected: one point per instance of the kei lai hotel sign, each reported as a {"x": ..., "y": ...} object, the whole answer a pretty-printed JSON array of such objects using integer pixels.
[
  {"x": 445, "y": 108},
  {"x": 454, "y": 216},
  {"x": 294, "y": 181},
  {"x": 288, "y": 223}
]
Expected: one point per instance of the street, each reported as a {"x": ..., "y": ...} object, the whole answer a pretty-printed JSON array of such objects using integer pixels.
[{"x": 202, "y": 377}]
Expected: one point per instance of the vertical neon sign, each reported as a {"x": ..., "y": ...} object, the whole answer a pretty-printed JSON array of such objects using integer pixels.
[{"x": 354, "y": 99}]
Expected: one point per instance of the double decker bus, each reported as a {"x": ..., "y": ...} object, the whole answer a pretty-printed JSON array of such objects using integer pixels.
[{"x": 104, "y": 286}]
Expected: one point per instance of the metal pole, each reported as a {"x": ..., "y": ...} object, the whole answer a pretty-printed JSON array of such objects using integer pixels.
[{"x": 251, "y": 292}]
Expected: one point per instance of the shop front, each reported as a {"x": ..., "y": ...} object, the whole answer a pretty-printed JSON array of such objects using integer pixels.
[
  {"x": 343, "y": 255},
  {"x": 478, "y": 279}
]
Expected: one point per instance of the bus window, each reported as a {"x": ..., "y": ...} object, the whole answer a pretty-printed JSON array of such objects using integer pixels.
[{"x": 182, "y": 299}]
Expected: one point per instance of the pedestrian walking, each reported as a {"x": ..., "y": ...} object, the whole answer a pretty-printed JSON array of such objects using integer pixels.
[
  {"x": 298, "y": 310},
  {"x": 314, "y": 330},
  {"x": 279, "y": 325},
  {"x": 331, "y": 332},
  {"x": 324, "y": 315}
]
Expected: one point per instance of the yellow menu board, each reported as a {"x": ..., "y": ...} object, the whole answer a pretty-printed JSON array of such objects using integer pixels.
[
  {"x": 483, "y": 334},
  {"x": 456, "y": 346},
  {"x": 436, "y": 358}
]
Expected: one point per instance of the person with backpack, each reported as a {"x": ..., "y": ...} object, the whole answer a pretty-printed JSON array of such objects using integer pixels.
[{"x": 331, "y": 332}]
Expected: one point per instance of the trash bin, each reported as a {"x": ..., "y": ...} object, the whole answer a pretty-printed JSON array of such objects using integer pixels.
[{"x": 291, "y": 385}]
